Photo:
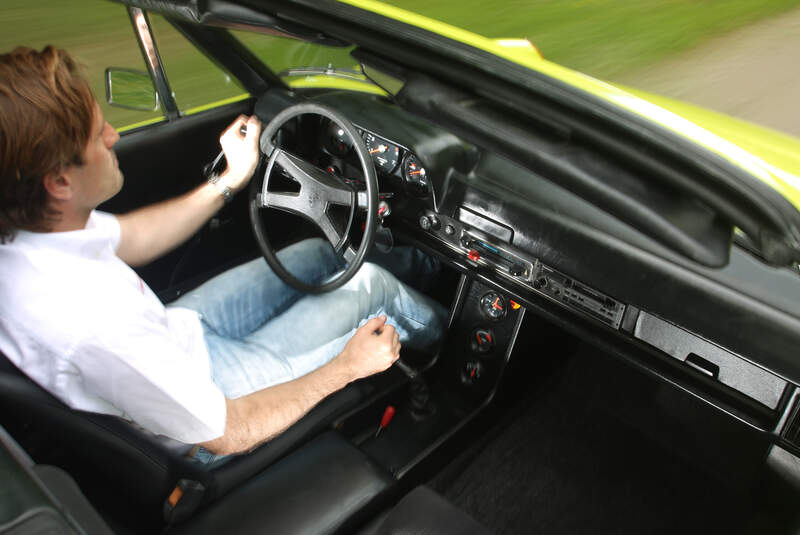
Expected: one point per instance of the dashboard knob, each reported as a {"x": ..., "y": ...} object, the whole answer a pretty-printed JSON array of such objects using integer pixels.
[
  {"x": 471, "y": 372},
  {"x": 482, "y": 341},
  {"x": 429, "y": 222}
]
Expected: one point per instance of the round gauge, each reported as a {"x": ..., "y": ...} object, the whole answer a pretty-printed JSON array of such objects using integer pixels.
[
  {"x": 336, "y": 140},
  {"x": 493, "y": 306},
  {"x": 415, "y": 175},
  {"x": 384, "y": 154}
]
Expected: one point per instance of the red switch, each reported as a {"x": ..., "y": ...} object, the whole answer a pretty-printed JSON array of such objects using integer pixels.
[{"x": 474, "y": 255}]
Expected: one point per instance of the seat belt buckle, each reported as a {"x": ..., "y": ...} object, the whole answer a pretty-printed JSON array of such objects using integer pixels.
[{"x": 183, "y": 501}]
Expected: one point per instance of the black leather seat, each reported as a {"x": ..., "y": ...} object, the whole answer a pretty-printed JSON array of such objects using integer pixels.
[
  {"x": 423, "y": 512},
  {"x": 139, "y": 468},
  {"x": 324, "y": 488},
  {"x": 329, "y": 487},
  {"x": 41, "y": 499}
]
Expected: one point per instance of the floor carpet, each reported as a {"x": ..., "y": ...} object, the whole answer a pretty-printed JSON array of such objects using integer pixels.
[{"x": 564, "y": 464}]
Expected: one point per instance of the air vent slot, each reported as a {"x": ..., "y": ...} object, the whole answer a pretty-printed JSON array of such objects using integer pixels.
[{"x": 792, "y": 430}]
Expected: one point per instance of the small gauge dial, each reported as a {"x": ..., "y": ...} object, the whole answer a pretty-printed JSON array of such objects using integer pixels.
[
  {"x": 415, "y": 175},
  {"x": 493, "y": 306},
  {"x": 336, "y": 140},
  {"x": 385, "y": 155}
]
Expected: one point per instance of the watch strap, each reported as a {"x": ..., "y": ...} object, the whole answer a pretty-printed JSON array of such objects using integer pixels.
[{"x": 222, "y": 187}]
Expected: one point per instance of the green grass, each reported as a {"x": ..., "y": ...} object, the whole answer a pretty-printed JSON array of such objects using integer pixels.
[{"x": 604, "y": 38}]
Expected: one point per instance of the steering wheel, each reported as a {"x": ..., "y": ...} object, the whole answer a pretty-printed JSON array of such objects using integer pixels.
[{"x": 319, "y": 190}]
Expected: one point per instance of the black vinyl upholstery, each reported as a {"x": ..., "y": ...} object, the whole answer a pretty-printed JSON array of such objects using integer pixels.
[
  {"x": 326, "y": 487},
  {"x": 41, "y": 499},
  {"x": 423, "y": 512},
  {"x": 134, "y": 463}
]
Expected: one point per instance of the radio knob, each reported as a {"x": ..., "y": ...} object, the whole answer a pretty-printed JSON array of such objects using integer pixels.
[
  {"x": 482, "y": 341},
  {"x": 516, "y": 270},
  {"x": 471, "y": 372},
  {"x": 429, "y": 222}
]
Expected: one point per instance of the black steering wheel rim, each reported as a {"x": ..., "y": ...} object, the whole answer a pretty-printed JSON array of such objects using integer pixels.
[{"x": 259, "y": 198}]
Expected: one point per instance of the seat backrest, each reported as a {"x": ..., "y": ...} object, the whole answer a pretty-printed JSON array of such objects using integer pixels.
[
  {"x": 100, "y": 449},
  {"x": 132, "y": 463}
]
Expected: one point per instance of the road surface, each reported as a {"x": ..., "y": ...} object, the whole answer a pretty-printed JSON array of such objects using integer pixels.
[{"x": 752, "y": 73}]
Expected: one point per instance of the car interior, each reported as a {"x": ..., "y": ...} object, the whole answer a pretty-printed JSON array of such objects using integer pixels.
[{"x": 621, "y": 347}]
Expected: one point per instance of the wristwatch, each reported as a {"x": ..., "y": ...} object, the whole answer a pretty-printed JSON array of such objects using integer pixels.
[{"x": 222, "y": 187}]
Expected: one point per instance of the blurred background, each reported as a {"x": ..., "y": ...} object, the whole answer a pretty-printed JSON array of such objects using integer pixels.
[{"x": 739, "y": 57}]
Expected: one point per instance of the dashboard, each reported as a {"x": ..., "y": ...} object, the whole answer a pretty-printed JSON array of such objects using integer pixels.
[{"x": 527, "y": 241}]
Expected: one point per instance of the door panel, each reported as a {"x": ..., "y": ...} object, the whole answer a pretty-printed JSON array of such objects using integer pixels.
[{"x": 165, "y": 160}]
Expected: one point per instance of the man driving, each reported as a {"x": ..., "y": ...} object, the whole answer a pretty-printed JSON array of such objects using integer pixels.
[{"x": 230, "y": 364}]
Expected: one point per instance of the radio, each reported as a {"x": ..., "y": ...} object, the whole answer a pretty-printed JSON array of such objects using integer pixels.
[{"x": 578, "y": 296}]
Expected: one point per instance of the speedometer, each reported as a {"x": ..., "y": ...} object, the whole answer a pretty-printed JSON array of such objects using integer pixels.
[{"x": 385, "y": 155}]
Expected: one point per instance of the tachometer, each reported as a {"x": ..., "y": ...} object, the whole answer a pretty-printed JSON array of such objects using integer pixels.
[
  {"x": 415, "y": 175},
  {"x": 384, "y": 154}
]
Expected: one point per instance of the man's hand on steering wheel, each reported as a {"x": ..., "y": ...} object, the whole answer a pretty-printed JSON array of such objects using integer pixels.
[{"x": 239, "y": 142}]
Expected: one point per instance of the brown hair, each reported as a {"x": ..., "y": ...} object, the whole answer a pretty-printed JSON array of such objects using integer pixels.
[{"x": 46, "y": 112}]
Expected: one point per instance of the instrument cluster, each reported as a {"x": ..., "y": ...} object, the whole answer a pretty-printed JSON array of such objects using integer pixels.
[{"x": 390, "y": 158}]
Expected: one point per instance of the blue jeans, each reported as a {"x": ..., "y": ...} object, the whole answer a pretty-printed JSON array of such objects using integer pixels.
[{"x": 261, "y": 332}]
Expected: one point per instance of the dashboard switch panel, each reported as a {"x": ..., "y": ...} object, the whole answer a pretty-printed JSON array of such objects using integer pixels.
[{"x": 485, "y": 250}]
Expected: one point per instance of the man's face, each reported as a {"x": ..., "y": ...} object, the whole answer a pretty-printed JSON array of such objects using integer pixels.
[{"x": 99, "y": 178}]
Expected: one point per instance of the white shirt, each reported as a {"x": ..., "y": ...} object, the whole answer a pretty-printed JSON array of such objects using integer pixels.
[{"x": 83, "y": 325}]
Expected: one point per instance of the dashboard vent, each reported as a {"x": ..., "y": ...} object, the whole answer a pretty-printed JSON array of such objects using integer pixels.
[{"x": 792, "y": 430}]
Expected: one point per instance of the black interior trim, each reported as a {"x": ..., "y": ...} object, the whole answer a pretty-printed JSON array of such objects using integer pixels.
[
  {"x": 222, "y": 13},
  {"x": 636, "y": 353},
  {"x": 491, "y": 79},
  {"x": 666, "y": 214}
]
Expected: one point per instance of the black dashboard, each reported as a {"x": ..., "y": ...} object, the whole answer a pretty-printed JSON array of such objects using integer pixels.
[{"x": 726, "y": 335}]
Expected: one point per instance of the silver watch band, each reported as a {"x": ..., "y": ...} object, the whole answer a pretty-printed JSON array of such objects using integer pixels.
[{"x": 222, "y": 187}]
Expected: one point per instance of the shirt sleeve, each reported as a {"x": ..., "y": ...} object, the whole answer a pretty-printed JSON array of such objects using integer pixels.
[
  {"x": 158, "y": 383},
  {"x": 108, "y": 224}
]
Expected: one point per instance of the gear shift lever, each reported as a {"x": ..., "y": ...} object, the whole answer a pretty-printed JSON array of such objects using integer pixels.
[{"x": 420, "y": 395}]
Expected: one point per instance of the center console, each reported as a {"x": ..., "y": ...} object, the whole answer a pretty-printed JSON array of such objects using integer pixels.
[{"x": 482, "y": 335}]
